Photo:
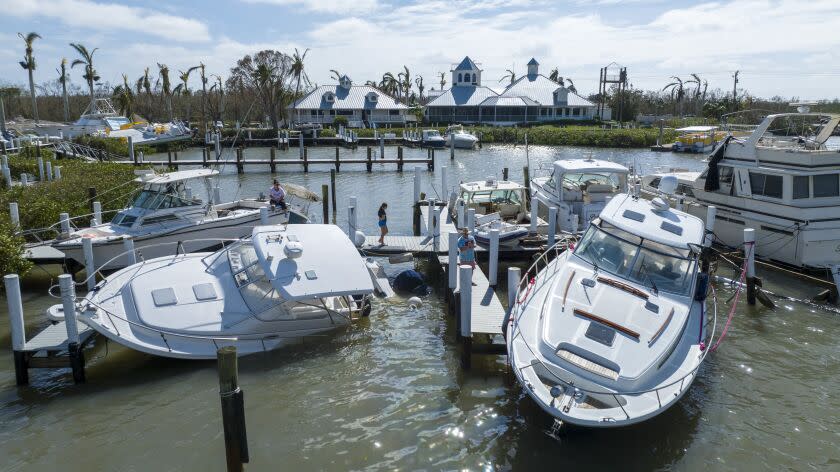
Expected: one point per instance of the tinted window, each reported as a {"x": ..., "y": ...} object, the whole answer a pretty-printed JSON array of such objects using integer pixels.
[
  {"x": 766, "y": 184},
  {"x": 725, "y": 174},
  {"x": 801, "y": 186},
  {"x": 826, "y": 185}
]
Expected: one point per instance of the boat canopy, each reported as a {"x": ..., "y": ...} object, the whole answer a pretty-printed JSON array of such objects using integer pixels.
[
  {"x": 640, "y": 217},
  {"x": 696, "y": 129},
  {"x": 170, "y": 177},
  {"x": 310, "y": 261},
  {"x": 594, "y": 166},
  {"x": 490, "y": 184}
]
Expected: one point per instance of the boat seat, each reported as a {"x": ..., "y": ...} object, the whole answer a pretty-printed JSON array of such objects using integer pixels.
[{"x": 508, "y": 210}]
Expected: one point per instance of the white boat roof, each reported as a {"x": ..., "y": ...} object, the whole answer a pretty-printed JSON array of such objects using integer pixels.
[
  {"x": 329, "y": 264},
  {"x": 589, "y": 165},
  {"x": 175, "y": 176},
  {"x": 481, "y": 185},
  {"x": 670, "y": 227},
  {"x": 696, "y": 129}
]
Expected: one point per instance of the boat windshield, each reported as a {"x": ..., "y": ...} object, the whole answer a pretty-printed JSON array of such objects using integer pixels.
[
  {"x": 511, "y": 197},
  {"x": 642, "y": 261},
  {"x": 160, "y": 198},
  {"x": 586, "y": 179},
  {"x": 432, "y": 133},
  {"x": 250, "y": 278}
]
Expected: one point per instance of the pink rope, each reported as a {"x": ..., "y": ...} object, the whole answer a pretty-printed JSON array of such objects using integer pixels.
[{"x": 737, "y": 295}]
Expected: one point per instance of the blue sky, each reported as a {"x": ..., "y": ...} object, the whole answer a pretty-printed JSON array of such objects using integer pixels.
[{"x": 788, "y": 48}]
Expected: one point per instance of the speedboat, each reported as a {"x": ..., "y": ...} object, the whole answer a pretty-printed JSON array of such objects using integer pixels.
[
  {"x": 498, "y": 204},
  {"x": 579, "y": 189},
  {"x": 613, "y": 331},
  {"x": 782, "y": 180},
  {"x": 462, "y": 139},
  {"x": 432, "y": 138},
  {"x": 256, "y": 294},
  {"x": 164, "y": 215}
]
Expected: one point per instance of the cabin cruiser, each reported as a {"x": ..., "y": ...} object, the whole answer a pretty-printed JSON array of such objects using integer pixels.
[
  {"x": 498, "y": 204},
  {"x": 165, "y": 214},
  {"x": 461, "y": 138},
  {"x": 100, "y": 119},
  {"x": 782, "y": 180},
  {"x": 256, "y": 294},
  {"x": 613, "y": 331},
  {"x": 579, "y": 189},
  {"x": 697, "y": 139},
  {"x": 432, "y": 138}
]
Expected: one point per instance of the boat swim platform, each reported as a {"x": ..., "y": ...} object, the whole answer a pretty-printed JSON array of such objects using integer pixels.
[{"x": 44, "y": 254}]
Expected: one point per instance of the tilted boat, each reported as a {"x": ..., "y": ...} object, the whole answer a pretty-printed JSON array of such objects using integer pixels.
[
  {"x": 165, "y": 211},
  {"x": 256, "y": 294},
  {"x": 613, "y": 331}
]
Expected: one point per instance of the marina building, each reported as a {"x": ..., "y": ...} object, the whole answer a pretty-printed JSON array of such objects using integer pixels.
[
  {"x": 533, "y": 98},
  {"x": 362, "y": 105}
]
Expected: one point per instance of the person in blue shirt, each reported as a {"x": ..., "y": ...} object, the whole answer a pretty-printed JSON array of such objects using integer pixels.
[
  {"x": 466, "y": 249},
  {"x": 383, "y": 223}
]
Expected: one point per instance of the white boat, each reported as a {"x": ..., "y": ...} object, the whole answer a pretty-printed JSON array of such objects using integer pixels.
[
  {"x": 462, "y": 139},
  {"x": 256, "y": 294},
  {"x": 782, "y": 180},
  {"x": 579, "y": 189},
  {"x": 100, "y": 119},
  {"x": 164, "y": 215},
  {"x": 498, "y": 204},
  {"x": 613, "y": 332},
  {"x": 432, "y": 138}
]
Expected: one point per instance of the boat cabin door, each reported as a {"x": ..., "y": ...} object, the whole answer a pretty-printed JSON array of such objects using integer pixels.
[{"x": 742, "y": 183}]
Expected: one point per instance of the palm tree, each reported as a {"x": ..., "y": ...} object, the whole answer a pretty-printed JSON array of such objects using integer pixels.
[
  {"x": 695, "y": 79},
  {"x": 389, "y": 84},
  {"x": 28, "y": 64},
  {"x": 420, "y": 87},
  {"x": 144, "y": 84},
  {"x": 335, "y": 75},
  {"x": 297, "y": 70},
  {"x": 203, "y": 95},
  {"x": 183, "y": 89},
  {"x": 555, "y": 76},
  {"x": 87, "y": 61},
  {"x": 221, "y": 89},
  {"x": 442, "y": 80},
  {"x": 404, "y": 79},
  {"x": 509, "y": 75},
  {"x": 124, "y": 97},
  {"x": 62, "y": 79},
  {"x": 676, "y": 88},
  {"x": 166, "y": 88},
  {"x": 571, "y": 86}
]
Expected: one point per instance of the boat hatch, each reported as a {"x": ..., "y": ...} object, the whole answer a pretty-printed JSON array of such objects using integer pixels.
[
  {"x": 634, "y": 215},
  {"x": 204, "y": 292},
  {"x": 164, "y": 296},
  {"x": 672, "y": 228}
]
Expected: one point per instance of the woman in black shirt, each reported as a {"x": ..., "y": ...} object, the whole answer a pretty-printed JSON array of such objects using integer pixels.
[{"x": 383, "y": 223}]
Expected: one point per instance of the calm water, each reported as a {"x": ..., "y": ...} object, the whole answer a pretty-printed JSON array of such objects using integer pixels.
[{"x": 388, "y": 393}]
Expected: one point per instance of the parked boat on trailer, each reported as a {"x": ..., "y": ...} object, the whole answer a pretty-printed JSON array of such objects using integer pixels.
[
  {"x": 613, "y": 332},
  {"x": 257, "y": 294},
  {"x": 164, "y": 213}
]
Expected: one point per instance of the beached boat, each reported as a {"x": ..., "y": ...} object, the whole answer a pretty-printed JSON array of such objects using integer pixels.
[
  {"x": 164, "y": 215},
  {"x": 257, "y": 294},
  {"x": 613, "y": 331},
  {"x": 579, "y": 189},
  {"x": 461, "y": 138}
]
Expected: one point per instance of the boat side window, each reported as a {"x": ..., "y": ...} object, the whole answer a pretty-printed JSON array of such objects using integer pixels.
[
  {"x": 801, "y": 186},
  {"x": 683, "y": 189},
  {"x": 655, "y": 183},
  {"x": 768, "y": 185},
  {"x": 127, "y": 221},
  {"x": 826, "y": 185},
  {"x": 726, "y": 173}
]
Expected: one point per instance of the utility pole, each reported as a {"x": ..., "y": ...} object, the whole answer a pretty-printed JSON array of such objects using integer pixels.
[{"x": 735, "y": 91}]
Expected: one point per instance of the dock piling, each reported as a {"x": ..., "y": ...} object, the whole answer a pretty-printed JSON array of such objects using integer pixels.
[
  {"x": 14, "y": 214},
  {"x": 49, "y": 171},
  {"x": 505, "y": 174},
  {"x": 435, "y": 227},
  {"x": 64, "y": 222},
  {"x": 325, "y": 202},
  {"x": 17, "y": 327},
  {"x": 233, "y": 409},
  {"x": 461, "y": 208},
  {"x": 514, "y": 275},
  {"x": 552, "y": 225},
  {"x": 471, "y": 220},
  {"x": 128, "y": 247},
  {"x": 264, "y": 215},
  {"x": 68, "y": 302},
  {"x": 97, "y": 212},
  {"x": 400, "y": 159},
  {"x": 431, "y": 217},
  {"x": 452, "y": 271},
  {"x": 369, "y": 163},
  {"x": 749, "y": 255},
  {"x": 532, "y": 229},
  {"x": 271, "y": 156},
  {"x": 90, "y": 269},
  {"x": 493, "y": 267},
  {"x": 526, "y": 175},
  {"x": 131, "y": 156},
  {"x": 465, "y": 295},
  {"x": 332, "y": 188},
  {"x": 217, "y": 145},
  {"x": 305, "y": 160},
  {"x": 452, "y": 146},
  {"x": 416, "y": 202},
  {"x": 382, "y": 147},
  {"x": 711, "y": 214},
  {"x": 444, "y": 181}
]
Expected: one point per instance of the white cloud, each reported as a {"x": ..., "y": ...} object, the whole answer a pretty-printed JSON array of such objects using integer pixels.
[
  {"x": 324, "y": 6},
  {"x": 91, "y": 15}
]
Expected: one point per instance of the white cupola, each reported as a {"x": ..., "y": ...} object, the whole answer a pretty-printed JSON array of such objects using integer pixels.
[{"x": 466, "y": 73}]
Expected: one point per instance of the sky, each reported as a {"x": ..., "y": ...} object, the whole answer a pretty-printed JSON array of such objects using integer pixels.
[{"x": 782, "y": 47}]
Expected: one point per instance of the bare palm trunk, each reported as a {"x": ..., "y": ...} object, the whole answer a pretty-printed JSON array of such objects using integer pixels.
[
  {"x": 32, "y": 95},
  {"x": 2, "y": 117},
  {"x": 66, "y": 100},
  {"x": 169, "y": 107},
  {"x": 92, "y": 99}
]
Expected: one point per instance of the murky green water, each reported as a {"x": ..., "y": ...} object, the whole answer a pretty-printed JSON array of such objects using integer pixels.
[{"x": 388, "y": 393}]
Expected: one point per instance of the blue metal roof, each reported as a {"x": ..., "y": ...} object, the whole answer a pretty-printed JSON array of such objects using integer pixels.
[
  {"x": 533, "y": 62},
  {"x": 354, "y": 98},
  {"x": 462, "y": 95},
  {"x": 467, "y": 64}
]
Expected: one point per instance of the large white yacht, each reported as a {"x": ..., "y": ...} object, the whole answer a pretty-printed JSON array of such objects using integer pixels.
[
  {"x": 613, "y": 331},
  {"x": 579, "y": 189},
  {"x": 256, "y": 294},
  {"x": 165, "y": 213},
  {"x": 783, "y": 180}
]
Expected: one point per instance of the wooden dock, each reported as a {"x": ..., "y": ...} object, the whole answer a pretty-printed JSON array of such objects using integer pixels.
[{"x": 43, "y": 254}]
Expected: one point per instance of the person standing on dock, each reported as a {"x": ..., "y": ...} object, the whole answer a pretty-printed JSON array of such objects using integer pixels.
[
  {"x": 383, "y": 223},
  {"x": 466, "y": 249},
  {"x": 277, "y": 195}
]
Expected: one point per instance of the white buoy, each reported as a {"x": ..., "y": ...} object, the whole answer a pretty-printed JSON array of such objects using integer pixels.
[
  {"x": 359, "y": 239},
  {"x": 415, "y": 302}
]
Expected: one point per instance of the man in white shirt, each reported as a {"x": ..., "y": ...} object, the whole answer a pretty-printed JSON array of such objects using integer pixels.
[{"x": 277, "y": 195}]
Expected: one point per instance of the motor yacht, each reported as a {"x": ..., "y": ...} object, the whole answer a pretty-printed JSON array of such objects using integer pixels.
[
  {"x": 461, "y": 138},
  {"x": 257, "y": 294},
  {"x": 165, "y": 214},
  {"x": 579, "y": 189},
  {"x": 613, "y": 331},
  {"x": 432, "y": 138}
]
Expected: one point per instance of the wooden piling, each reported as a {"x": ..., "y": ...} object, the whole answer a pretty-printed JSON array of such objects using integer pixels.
[
  {"x": 337, "y": 163},
  {"x": 369, "y": 163},
  {"x": 271, "y": 165},
  {"x": 305, "y": 160},
  {"x": 325, "y": 200},
  {"x": 233, "y": 409},
  {"x": 399, "y": 159},
  {"x": 169, "y": 158},
  {"x": 526, "y": 175},
  {"x": 505, "y": 173},
  {"x": 91, "y": 197},
  {"x": 749, "y": 260},
  {"x": 240, "y": 156},
  {"x": 204, "y": 157},
  {"x": 432, "y": 161}
]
